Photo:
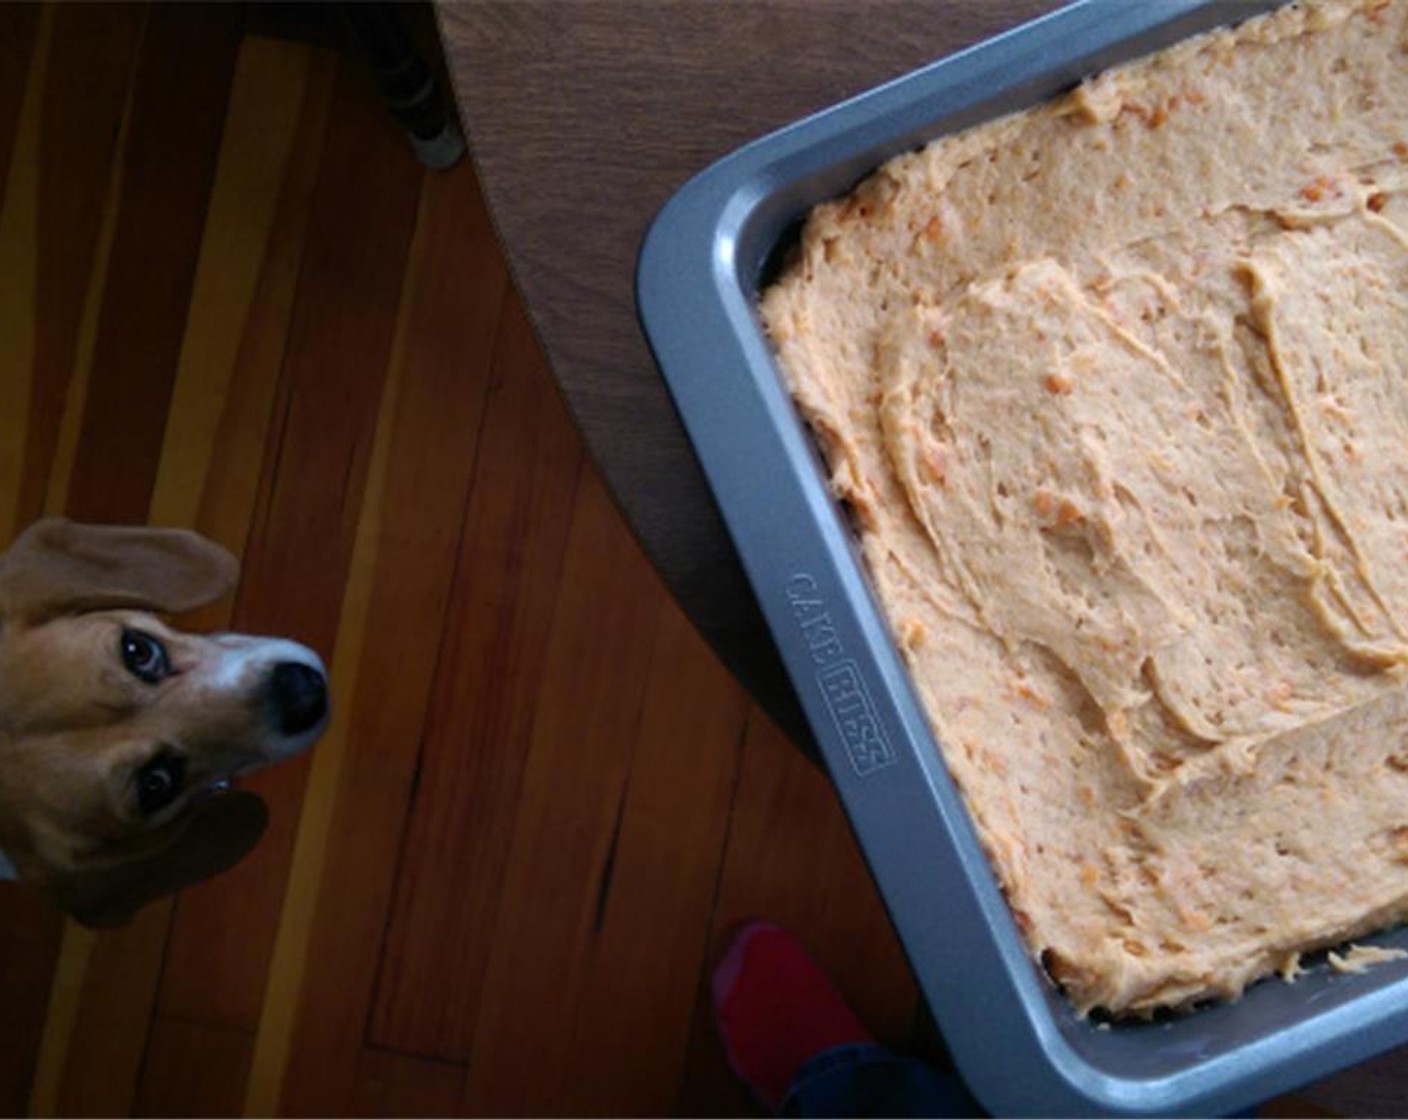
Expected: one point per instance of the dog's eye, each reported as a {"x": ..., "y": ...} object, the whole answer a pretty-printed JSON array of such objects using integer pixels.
[
  {"x": 144, "y": 656},
  {"x": 159, "y": 783}
]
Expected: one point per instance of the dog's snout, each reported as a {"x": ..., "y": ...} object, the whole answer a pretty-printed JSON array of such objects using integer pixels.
[{"x": 300, "y": 696}]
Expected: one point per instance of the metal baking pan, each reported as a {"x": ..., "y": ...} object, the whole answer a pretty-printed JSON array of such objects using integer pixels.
[{"x": 1015, "y": 1038}]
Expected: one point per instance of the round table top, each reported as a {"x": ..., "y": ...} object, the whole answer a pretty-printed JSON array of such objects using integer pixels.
[{"x": 583, "y": 117}]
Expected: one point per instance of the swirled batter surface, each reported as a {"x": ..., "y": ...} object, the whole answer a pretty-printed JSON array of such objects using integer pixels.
[{"x": 1117, "y": 390}]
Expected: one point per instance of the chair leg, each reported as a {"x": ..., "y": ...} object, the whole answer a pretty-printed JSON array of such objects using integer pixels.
[{"x": 406, "y": 81}]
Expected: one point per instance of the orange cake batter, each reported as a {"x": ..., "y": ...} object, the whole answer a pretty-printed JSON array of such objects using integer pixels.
[{"x": 1117, "y": 391}]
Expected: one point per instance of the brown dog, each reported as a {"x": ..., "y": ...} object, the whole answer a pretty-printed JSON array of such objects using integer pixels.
[{"x": 119, "y": 735}]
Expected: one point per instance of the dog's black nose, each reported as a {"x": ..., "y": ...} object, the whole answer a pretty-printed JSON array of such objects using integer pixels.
[{"x": 300, "y": 696}]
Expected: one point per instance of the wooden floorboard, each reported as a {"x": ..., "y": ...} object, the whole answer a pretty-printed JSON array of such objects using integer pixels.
[
  {"x": 599, "y": 650},
  {"x": 632, "y": 1020},
  {"x": 180, "y": 91},
  {"x": 791, "y": 858},
  {"x": 193, "y": 1069},
  {"x": 87, "y": 83},
  {"x": 29, "y": 931},
  {"x": 230, "y": 299},
  {"x": 19, "y": 26},
  {"x": 297, "y": 558},
  {"x": 238, "y": 319},
  {"x": 219, "y": 414},
  {"x": 29, "y": 944},
  {"x": 103, "y": 1055},
  {"x": 389, "y": 1084},
  {"x": 482, "y": 708},
  {"x": 387, "y": 650}
]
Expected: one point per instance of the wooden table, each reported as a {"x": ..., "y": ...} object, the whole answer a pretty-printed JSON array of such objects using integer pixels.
[{"x": 584, "y": 116}]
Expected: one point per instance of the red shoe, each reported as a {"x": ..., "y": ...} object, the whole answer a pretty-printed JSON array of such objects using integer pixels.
[{"x": 775, "y": 1009}]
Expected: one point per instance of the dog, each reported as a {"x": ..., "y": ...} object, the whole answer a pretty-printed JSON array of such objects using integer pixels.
[{"x": 120, "y": 736}]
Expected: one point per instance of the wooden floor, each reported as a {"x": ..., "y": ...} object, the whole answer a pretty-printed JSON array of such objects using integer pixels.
[{"x": 230, "y": 300}]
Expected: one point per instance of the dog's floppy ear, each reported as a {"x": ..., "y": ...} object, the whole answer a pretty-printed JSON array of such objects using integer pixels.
[
  {"x": 60, "y": 567},
  {"x": 219, "y": 833}
]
